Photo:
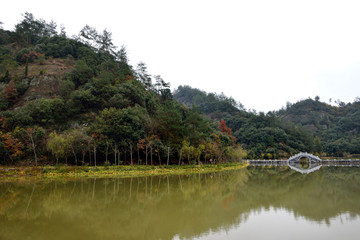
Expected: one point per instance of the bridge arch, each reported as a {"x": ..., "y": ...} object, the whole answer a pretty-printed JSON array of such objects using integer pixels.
[{"x": 296, "y": 158}]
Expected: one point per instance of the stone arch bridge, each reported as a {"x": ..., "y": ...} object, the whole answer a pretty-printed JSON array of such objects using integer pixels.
[{"x": 296, "y": 158}]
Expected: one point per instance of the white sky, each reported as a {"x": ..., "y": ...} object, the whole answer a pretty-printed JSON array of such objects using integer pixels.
[{"x": 263, "y": 53}]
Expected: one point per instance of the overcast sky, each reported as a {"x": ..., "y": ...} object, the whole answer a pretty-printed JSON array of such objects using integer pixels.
[{"x": 263, "y": 53}]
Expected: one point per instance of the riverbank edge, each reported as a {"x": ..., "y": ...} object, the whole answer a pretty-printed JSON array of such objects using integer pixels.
[{"x": 48, "y": 172}]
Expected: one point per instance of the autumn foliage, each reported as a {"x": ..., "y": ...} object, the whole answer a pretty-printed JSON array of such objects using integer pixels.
[
  {"x": 11, "y": 92},
  {"x": 224, "y": 129},
  {"x": 31, "y": 56},
  {"x": 12, "y": 144}
]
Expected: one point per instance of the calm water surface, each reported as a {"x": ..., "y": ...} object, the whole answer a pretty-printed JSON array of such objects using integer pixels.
[{"x": 253, "y": 203}]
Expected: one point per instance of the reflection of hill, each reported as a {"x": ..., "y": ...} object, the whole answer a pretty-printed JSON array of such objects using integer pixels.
[
  {"x": 317, "y": 196},
  {"x": 162, "y": 207}
]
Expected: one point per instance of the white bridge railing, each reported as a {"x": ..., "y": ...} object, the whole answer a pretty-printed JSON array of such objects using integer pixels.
[
  {"x": 315, "y": 163},
  {"x": 297, "y": 157}
]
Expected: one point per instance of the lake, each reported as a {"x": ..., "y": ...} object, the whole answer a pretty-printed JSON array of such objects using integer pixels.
[{"x": 252, "y": 203}]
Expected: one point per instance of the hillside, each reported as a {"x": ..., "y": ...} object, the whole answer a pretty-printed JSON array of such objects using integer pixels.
[
  {"x": 263, "y": 136},
  {"x": 307, "y": 125},
  {"x": 337, "y": 128},
  {"x": 79, "y": 101}
]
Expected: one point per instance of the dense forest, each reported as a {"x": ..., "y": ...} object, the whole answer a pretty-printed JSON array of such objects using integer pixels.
[
  {"x": 335, "y": 129},
  {"x": 77, "y": 100},
  {"x": 308, "y": 125}
]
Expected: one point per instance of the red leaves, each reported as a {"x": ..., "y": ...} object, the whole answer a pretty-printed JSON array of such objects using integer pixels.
[
  {"x": 224, "y": 129},
  {"x": 222, "y": 126}
]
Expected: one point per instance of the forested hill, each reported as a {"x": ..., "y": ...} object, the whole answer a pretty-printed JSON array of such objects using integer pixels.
[
  {"x": 337, "y": 128},
  {"x": 308, "y": 125},
  {"x": 79, "y": 101}
]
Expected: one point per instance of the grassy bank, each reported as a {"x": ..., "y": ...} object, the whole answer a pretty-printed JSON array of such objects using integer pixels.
[{"x": 7, "y": 173}]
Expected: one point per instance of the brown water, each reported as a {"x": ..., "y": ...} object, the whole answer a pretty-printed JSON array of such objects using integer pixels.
[{"x": 253, "y": 203}]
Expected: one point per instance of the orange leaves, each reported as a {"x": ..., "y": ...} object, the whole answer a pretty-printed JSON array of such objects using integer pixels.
[
  {"x": 95, "y": 135},
  {"x": 31, "y": 56},
  {"x": 147, "y": 141},
  {"x": 222, "y": 126},
  {"x": 128, "y": 77},
  {"x": 3, "y": 122},
  {"x": 141, "y": 144},
  {"x": 11, "y": 92},
  {"x": 12, "y": 144},
  {"x": 29, "y": 131}
]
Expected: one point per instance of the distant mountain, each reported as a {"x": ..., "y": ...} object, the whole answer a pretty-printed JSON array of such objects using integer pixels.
[{"x": 308, "y": 125}]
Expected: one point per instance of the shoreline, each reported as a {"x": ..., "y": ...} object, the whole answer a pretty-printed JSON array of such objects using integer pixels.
[{"x": 51, "y": 172}]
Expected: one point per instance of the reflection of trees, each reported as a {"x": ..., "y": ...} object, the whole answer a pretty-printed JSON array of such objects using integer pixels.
[
  {"x": 162, "y": 207},
  {"x": 318, "y": 196},
  {"x": 133, "y": 208}
]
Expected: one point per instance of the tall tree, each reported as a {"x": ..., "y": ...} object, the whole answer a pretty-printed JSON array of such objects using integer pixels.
[
  {"x": 33, "y": 135},
  {"x": 57, "y": 145},
  {"x": 125, "y": 127},
  {"x": 143, "y": 76}
]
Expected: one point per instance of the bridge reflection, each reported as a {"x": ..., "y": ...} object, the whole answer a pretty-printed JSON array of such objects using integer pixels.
[{"x": 314, "y": 163}]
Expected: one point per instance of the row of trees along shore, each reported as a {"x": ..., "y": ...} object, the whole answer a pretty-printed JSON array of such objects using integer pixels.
[{"x": 96, "y": 108}]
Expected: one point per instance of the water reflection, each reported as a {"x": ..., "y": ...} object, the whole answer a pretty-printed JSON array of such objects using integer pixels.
[
  {"x": 176, "y": 207},
  {"x": 261, "y": 225},
  {"x": 305, "y": 166}
]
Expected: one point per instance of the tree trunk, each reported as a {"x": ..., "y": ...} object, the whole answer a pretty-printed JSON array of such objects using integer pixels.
[
  {"x": 151, "y": 157},
  {"x": 115, "y": 151},
  {"x": 33, "y": 147},
  {"x": 119, "y": 157},
  {"x": 89, "y": 155},
  {"x": 73, "y": 151},
  {"x": 138, "y": 152},
  {"x": 131, "y": 156},
  {"x": 146, "y": 154},
  {"x": 180, "y": 157},
  {"x": 159, "y": 156},
  {"x": 83, "y": 157},
  {"x": 106, "y": 151},
  {"x": 95, "y": 155},
  {"x": 168, "y": 156}
]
